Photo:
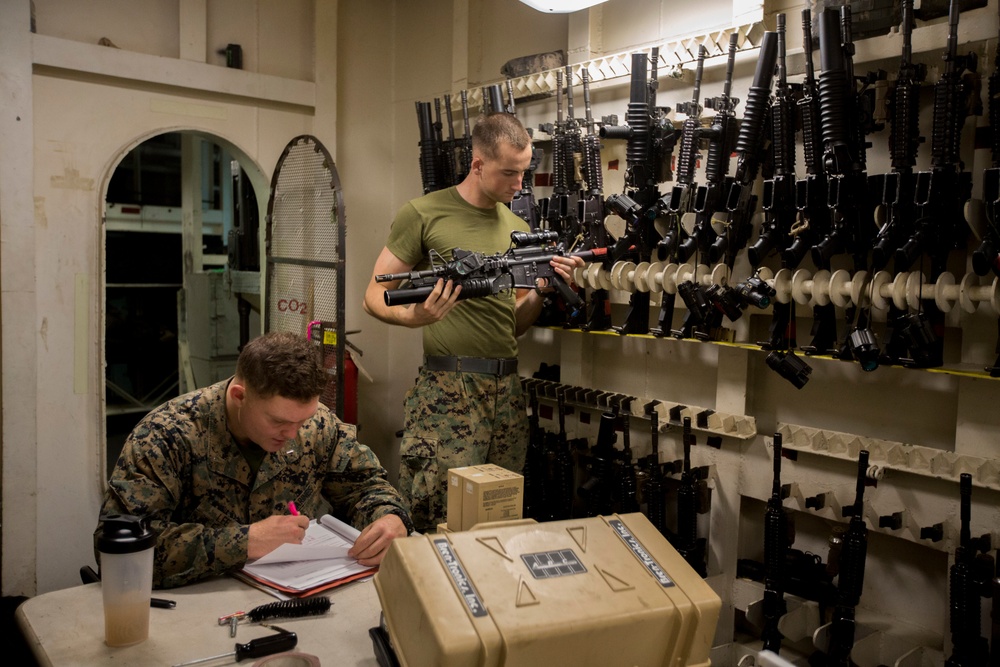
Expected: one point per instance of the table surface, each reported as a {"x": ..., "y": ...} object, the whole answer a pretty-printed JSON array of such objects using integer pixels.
[{"x": 66, "y": 627}]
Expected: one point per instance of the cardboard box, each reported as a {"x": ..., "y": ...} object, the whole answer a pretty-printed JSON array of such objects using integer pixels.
[
  {"x": 487, "y": 492},
  {"x": 454, "y": 517},
  {"x": 584, "y": 592}
]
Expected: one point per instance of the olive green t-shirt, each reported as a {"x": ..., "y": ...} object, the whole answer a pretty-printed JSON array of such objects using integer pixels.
[{"x": 443, "y": 221}]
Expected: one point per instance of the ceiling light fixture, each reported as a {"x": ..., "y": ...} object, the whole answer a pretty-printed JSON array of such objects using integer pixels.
[{"x": 561, "y": 6}]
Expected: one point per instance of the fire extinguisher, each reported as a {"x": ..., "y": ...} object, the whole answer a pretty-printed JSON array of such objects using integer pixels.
[{"x": 320, "y": 332}]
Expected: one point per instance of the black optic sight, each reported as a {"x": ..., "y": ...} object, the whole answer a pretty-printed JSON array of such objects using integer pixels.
[
  {"x": 864, "y": 347},
  {"x": 792, "y": 368}
]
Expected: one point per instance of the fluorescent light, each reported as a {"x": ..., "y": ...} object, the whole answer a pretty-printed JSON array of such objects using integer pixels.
[{"x": 561, "y": 6}]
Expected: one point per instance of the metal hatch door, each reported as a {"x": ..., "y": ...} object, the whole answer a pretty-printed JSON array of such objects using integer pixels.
[{"x": 304, "y": 255}]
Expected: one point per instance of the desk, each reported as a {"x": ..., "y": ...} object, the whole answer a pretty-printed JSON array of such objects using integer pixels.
[{"x": 67, "y": 627}]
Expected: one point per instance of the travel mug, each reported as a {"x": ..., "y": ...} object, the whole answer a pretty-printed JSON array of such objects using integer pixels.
[{"x": 126, "y": 546}]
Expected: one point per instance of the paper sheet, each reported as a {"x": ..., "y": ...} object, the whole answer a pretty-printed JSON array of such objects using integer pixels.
[{"x": 321, "y": 557}]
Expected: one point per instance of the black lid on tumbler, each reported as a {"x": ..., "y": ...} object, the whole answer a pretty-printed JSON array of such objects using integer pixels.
[{"x": 124, "y": 534}]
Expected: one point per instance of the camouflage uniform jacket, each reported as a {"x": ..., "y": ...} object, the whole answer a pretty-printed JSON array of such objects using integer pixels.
[{"x": 182, "y": 468}]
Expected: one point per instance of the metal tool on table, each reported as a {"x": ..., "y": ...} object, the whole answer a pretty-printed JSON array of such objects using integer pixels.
[{"x": 283, "y": 640}]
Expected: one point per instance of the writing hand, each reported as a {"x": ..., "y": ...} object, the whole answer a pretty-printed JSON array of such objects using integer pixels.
[
  {"x": 374, "y": 541},
  {"x": 267, "y": 535}
]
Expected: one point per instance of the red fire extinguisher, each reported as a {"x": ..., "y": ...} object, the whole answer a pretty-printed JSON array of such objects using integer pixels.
[{"x": 326, "y": 338}]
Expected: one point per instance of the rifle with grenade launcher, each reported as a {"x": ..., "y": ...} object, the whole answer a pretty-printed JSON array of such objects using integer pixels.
[
  {"x": 430, "y": 175},
  {"x": 650, "y": 140},
  {"x": 843, "y": 112},
  {"x": 778, "y": 194},
  {"x": 465, "y": 148},
  {"x": 446, "y": 159},
  {"x": 481, "y": 275}
]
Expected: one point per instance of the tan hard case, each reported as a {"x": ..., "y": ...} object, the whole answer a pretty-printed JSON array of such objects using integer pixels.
[{"x": 612, "y": 592}]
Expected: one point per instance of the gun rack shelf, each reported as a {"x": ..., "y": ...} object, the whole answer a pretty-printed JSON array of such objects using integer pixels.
[
  {"x": 803, "y": 618},
  {"x": 940, "y": 532},
  {"x": 716, "y": 424},
  {"x": 970, "y": 371},
  {"x": 673, "y": 55},
  {"x": 978, "y": 26},
  {"x": 886, "y": 455}
]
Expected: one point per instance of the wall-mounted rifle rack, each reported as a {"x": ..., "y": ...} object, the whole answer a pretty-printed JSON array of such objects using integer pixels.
[
  {"x": 892, "y": 456},
  {"x": 673, "y": 55},
  {"x": 715, "y": 425}
]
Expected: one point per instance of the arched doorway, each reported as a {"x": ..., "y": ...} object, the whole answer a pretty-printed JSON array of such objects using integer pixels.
[{"x": 181, "y": 260}]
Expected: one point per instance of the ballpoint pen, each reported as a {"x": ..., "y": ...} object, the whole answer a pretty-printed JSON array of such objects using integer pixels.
[
  {"x": 88, "y": 576},
  {"x": 292, "y": 509}
]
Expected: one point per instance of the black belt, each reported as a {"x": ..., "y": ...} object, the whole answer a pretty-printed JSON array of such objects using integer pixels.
[{"x": 500, "y": 367}]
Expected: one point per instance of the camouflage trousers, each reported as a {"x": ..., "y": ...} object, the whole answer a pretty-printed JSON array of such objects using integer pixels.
[{"x": 453, "y": 420}]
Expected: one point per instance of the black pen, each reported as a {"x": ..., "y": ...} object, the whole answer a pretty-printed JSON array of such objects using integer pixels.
[{"x": 89, "y": 576}]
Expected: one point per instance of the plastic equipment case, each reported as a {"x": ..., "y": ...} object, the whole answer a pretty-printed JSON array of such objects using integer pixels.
[{"x": 599, "y": 591}]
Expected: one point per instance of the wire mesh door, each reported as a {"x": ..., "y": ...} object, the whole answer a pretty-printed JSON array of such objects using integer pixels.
[{"x": 304, "y": 289}]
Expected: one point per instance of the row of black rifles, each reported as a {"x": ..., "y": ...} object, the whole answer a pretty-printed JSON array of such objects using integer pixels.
[
  {"x": 567, "y": 478},
  {"x": 822, "y": 214}
]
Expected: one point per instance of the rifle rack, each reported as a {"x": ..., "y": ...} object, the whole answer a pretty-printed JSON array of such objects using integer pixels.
[
  {"x": 803, "y": 620},
  {"x": 715, "y": 424},
  {"x": 672, "y": 56},
  {"x": 894, "y": 456},
  {"x": 973, "y": 295},
  {"x": 906, "y": 289}
]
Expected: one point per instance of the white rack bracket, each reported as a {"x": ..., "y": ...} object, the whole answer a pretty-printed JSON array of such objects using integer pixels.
[{"x": 673, "y": 55}]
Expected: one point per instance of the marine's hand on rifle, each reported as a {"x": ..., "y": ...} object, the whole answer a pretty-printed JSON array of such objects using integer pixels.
[
  {"x": 564, "y": 266},
  {"x": 439, "y": 301},
  {"x": 437, "y": 305}
]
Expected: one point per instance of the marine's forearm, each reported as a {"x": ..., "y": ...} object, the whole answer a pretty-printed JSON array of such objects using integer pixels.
[
  {"x": 526, "y": 311},
  {"x": 186, "y": 553}
]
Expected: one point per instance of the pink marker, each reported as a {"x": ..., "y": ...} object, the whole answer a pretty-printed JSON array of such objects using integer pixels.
[{"x": 291, "y": 508}]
